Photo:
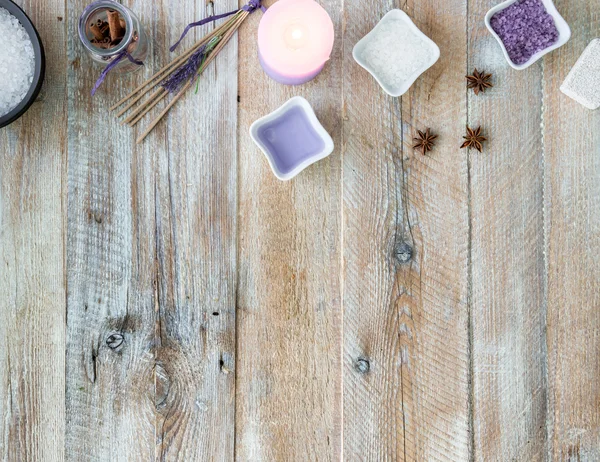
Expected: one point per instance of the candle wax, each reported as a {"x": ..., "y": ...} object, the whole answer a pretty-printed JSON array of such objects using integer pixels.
[
  {"x": 295, "y": 39},
  {"x": 290, "y": 139}
]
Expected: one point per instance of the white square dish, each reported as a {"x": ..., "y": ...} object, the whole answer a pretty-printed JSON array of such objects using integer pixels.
[
  {"x": 291, "y": 138},
  {"x": 564, "y": 32},
  {"x": 384, "y": 45}
]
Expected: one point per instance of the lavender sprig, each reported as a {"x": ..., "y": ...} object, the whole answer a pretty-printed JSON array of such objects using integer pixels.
[
  {"x": 177, "y": 79},
  {"x": 191, "y": 69}
]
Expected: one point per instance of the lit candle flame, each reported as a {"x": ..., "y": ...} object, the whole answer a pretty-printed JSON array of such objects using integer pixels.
[
  {"x": 295, "y": 36},
  {"x": 295, "y": 39}
]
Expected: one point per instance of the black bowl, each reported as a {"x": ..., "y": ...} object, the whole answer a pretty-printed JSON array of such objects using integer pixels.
[{"x": 40, "y": 64}]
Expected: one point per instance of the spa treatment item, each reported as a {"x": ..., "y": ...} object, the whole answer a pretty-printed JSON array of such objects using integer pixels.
[
  {"x": 479, "y": 81},
  {"x": 474, "y": 139},
  {"x": 425, "y": 141},
  {"x": 583, "y": 82},
  {"x": 295, "y": 39},
  {"x": 177, "y": 77},
  {"x": 22, "y": 63},
  {"x": 527, "y": 30},
  {"x": 17, "y": 62},
  {"x": 396, "y": 52},
  {"x": 291, "y": 138},
  {"x": 112, "y": 36}
]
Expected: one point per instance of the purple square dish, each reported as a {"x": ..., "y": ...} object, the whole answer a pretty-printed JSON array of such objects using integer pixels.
[
  {"x": 291, "y": 138},
  {"x": 547, "y": 28}
]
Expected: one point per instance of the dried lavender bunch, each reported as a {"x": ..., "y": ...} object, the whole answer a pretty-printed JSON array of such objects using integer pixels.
[
  {"x": 176, "y": 78},
  {"x": 191, "y": 69}
]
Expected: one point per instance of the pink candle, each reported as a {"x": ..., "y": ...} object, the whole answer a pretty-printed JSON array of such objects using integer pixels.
[{"x": 295, "y": 39}]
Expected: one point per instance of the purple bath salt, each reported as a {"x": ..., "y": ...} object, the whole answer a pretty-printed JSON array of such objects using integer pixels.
[
  {"x": 291, "y": 139},
  {"x": 525, "y": 28}
]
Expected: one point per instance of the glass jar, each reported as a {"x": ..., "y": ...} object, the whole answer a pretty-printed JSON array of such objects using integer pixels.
[{"x": 94, "y": 23}]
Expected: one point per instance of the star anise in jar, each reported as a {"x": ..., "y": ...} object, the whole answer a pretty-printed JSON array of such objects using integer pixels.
[
  {"x": 474, "y": 139},
  {"x": 479, "y": 81},
  {"x": 425, "y": 141}
]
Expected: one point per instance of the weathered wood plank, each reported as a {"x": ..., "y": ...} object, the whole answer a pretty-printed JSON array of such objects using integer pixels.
[
  {"x": 151, "y": 257},
  {"x": 406, "y": 360},
  {"x": 572, "y": 204},
  {"x": 289, "y": 319},
  {"x": 32, "y": 283},
  {"x": 507, "y": 256},
  {"x": 109, "y": 390},
  {"x": 196, "y": 229}
]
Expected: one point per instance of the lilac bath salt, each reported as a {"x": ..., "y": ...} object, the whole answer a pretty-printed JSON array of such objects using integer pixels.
[
  {"x": 525, "y": 28},
  {"x": 290, "y": 139},
  {"x": 17, "y": 62}
]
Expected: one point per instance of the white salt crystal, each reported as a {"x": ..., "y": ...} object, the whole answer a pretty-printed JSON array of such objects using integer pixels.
[
  {"x": 583, "y": 82},
  {"x": 396, "y": 52},
  {"x": 17, "y": 62}
]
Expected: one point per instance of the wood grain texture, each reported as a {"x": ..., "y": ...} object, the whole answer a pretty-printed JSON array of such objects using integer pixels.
[
  {"x": 572, "y": 204},
  {"x": 151, "y": 259},
  {"x": 507, "y": 257},
  {"x": 383, "y": 305},
  {"x": 32, "y": 282},
  {"x": 289, "y": 319},
  {"x": 194, "y": 181},
  {"x": 406, "y": 362},
  {"x": 109, "y": 390}
]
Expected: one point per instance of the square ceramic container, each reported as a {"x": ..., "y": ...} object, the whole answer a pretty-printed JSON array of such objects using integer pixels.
[
  {"x": 564, "y": 32},
  {"x": 291, "y": 138},
  {"x": 396, "y": 17},
  {"x": 583, "y": 82}
]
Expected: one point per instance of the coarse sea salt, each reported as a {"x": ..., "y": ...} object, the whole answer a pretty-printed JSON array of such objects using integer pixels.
[
  {"x": 583, "y": 82},
  {"x": 17, "y": 62},
  {"x": 396, "y": 52}
]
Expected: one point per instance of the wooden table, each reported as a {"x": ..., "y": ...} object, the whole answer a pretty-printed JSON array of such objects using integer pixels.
[{"x": 174, "y": 301}]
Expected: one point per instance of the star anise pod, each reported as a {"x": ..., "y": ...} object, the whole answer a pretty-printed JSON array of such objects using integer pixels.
[
  {"x": 425, "y": 141},
  {"x": 479, "y": 81},
  {"x": 474, "y": 139}
]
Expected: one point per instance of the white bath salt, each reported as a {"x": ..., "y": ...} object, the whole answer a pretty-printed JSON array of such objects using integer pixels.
[
  {"x": 17, "y": 62},
  {"x": 583, "y": 82},
  {"x": 395, "y": 53}
]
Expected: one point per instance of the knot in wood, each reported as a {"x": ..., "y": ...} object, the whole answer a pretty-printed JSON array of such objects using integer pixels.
[
  {"x": 403, "y": 252},
  {"x": 115, "y": 341},
  {"x": 162, "y": 385},
  {"x": 362, "y": 366}
]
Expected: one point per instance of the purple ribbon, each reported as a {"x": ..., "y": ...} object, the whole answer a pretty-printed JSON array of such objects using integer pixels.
[
  {"x": 111, "y": 65},
  {"x": 250, "y": 7}
]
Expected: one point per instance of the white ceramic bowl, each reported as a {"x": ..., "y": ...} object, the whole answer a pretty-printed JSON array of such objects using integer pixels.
[
  {"x": 394, "y": 15},
  {"x": 564, "y": 32},
  {"x": 310, "y": 157}
]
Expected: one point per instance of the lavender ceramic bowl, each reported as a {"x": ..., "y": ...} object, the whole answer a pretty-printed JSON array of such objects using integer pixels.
[
  {"x": 291, "y": 138},
  {"x": 564, "y": 32}
]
